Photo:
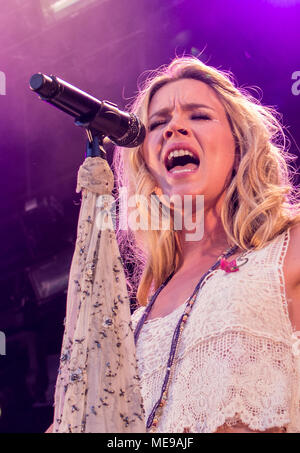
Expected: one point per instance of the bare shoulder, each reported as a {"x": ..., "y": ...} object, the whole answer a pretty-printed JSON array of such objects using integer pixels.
[
  {"x": 292, "y": 260},
  {"x": 292, "y": 276}
]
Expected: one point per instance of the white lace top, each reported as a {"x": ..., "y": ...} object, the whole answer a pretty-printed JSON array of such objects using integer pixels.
[{"x": 238, "y": 358}]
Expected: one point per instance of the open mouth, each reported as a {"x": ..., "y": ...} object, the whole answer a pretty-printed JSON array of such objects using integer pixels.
[{"x": 181, "y": 161}]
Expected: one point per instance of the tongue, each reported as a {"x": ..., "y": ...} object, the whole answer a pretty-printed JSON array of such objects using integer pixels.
[{"x": 189, "y": 166}]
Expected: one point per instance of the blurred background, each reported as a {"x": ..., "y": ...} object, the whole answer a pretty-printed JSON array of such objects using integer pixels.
[{"x": 102, "y": 47}]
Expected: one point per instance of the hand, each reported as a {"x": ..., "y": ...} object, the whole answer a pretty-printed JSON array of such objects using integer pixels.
[{"x": 49, "y": 430}]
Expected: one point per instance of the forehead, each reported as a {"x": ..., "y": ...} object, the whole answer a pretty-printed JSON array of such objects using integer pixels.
[{"x": 184, "y": 91}]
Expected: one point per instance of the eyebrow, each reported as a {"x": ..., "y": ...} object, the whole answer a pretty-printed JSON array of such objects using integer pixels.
[{"x": 186, "y": 107}]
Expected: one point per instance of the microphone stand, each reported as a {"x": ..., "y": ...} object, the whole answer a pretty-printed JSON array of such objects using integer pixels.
[{"x": 94, "y": 145}]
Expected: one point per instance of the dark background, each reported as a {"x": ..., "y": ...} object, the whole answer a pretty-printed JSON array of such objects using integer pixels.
[{"x": 101, "y": 46}]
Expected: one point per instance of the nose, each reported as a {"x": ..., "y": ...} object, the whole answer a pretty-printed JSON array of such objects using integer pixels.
[
  {"x": 174, "y": 128},
  {"x": 170, "y": 132}
]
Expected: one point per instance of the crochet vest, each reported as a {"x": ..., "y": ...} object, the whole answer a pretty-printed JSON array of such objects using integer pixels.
[{"x": 238, "y": 358}]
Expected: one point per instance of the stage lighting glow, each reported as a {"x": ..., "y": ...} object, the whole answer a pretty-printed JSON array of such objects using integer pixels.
[
  {"x": 61, "y": 4},
  {"x": 58, "y": 9}
]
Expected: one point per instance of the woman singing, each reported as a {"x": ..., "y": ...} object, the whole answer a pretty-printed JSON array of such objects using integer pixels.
[{"x": 216, "y": 344}]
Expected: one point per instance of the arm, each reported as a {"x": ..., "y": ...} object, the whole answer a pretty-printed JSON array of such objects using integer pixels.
[
  {"x": 292, "y": 276},
  {"x": 49, "y": 430}
]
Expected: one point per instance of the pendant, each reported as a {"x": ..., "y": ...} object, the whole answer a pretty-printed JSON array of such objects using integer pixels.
[
  {"x": 228, "y": 266},
  {"x": 231, "y": 266}
]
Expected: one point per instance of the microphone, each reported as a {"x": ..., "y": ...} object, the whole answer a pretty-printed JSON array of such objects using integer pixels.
[{"x": 101, "y": 117}]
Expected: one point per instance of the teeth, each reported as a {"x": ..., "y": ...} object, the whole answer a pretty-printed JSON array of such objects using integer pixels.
[{"x": 180, "y": 152}]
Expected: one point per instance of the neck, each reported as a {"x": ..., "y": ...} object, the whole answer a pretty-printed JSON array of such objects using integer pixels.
[{"x": 211, "y": 243}]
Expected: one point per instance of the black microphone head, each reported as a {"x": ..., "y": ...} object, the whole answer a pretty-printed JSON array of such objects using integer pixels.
[
  {"x": 36, "y": 81},
  {"x": 135, "y": 134},
  {"x": 44, "y": 85}
]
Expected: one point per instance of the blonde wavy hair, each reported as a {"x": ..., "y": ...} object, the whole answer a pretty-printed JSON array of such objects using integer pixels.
[{"x": 261, "y": 200}]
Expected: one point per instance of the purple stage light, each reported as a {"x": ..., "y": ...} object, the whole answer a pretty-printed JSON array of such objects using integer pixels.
[{"x": 284, "y": 3}]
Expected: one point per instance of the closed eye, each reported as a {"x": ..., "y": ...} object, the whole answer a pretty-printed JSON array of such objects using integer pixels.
[
  {"x": 200, "y": 117},
  {"x": 193, "y": 117},
  {"x": 155, "y": 124}
]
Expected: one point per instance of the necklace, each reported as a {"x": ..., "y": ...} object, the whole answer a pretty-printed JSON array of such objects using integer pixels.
[{"x": 158, "y": 407}]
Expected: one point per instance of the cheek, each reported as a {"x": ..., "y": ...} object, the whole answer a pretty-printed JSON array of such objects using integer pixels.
[
  {"x": 223, "y": 146},
  {"x": 219, "y": 156},
  {"x": 146, "y": 151},
  {"x": 148, "y": 159}
]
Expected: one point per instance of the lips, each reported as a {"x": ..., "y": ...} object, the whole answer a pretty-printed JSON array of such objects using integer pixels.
[{"x": 181, "y": 146}]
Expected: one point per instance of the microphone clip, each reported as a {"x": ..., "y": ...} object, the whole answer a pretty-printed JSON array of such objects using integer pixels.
[{"x": 94, "y": 145}]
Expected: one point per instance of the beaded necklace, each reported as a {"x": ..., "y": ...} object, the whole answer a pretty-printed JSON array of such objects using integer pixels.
[{"x": 158, "y": 407}]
